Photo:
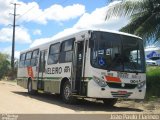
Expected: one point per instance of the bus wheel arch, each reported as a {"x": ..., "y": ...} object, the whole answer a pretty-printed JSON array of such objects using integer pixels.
[
  {"x": 29, "y": 87},
  {"x": 62, "y": 83},
  {"x": 66, "y": 91}
]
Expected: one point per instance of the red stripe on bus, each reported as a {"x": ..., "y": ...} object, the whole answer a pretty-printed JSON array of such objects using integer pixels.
[
  {"x": 112, "y": 79},
  {"x": 30, "y": 72}
]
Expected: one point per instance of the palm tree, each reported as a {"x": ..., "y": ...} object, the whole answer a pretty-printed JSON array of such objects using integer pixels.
[{"x": 144, "y": 17}]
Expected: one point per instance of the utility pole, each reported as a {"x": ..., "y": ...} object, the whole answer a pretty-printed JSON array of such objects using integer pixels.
[{"x": 13, "y": 38}]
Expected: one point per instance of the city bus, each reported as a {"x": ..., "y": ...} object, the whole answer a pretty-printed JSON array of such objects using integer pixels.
[{"x": 100, "y": 64}]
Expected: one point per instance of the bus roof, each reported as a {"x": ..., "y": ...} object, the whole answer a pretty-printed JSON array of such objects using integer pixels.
[
  {"x": 116, "y": 32},
  {"x": 80, "y": 33}
]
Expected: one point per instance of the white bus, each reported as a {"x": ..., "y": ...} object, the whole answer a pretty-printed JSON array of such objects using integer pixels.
[{"x": 93, "y": 63}]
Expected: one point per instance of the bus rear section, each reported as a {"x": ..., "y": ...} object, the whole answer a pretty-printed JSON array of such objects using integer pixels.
[{"x": 95, "y": 64}]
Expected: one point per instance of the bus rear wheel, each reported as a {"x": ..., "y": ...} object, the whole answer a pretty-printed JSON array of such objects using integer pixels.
[
  {"x": 67, "y": 93},
  {"x": 110, "y": 102}
]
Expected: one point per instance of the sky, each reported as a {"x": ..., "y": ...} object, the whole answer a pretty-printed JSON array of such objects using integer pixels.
[{"x": 40, "y": 21}]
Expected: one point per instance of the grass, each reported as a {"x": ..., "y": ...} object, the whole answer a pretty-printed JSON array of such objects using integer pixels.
[
  {"x": 153, "y": 82},
  {"x": 153, "y": 71}
]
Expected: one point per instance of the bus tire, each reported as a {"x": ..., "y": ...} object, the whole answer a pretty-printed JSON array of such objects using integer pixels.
[
  {"x": 110, "y": 102},
  {"x": 67, "y": 93},
  {"x": 30, "y": 90}
]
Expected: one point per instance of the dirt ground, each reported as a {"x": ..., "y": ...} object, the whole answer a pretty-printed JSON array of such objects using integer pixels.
[{"x": 14, "y": 99}]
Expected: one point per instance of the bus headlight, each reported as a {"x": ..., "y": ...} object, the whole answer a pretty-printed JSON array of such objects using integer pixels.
[
  {"x": 141, "y": 84},
  {"x": 96, "y": 79},
  {"x": 99, "y": 81}
]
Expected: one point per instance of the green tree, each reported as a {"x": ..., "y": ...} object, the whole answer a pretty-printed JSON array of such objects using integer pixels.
[
  {"x": 144, "y": 17},
  {"x": 4, "y": 65}
]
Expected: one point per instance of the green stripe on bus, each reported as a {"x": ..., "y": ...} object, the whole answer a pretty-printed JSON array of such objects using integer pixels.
[
  {"x": 52, "y": 78},
  {"x": 35, "y": 78},
  {"x": 49, "y": 78}
]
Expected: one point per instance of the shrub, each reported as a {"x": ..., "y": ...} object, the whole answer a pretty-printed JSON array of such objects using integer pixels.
[
  {"x": 4, "y": 65},
  {"x": 153, "y": 82}
]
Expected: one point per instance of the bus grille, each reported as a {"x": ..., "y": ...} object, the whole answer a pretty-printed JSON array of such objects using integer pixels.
[
  {"x": 121, "y": 94},
  {"x": 120, "y": 86}
]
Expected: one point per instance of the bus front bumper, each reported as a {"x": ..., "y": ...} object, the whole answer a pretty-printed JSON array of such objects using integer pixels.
[{"x": 96, "y": 91}]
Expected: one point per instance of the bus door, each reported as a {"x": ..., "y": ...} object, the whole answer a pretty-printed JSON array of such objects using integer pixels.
[
  {"x": 78, "y": 67},
  {"x": 42, "y": 65}
]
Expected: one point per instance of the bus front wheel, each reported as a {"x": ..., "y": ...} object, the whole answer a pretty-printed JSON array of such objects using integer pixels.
[
  {"x": 110, "y": 101},
  {"x": 67, "y": 93}
]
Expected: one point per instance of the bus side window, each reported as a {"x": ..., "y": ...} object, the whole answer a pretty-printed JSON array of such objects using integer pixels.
[
  {"x": 28, "y": 59},
  {"x": 66, "y": 51},
  {"x": 22, "y": 58},
  {"x": 34, "y": 59},
  {"x": 53, "y": 53}
]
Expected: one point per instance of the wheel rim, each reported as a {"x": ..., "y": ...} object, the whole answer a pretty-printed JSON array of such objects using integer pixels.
[{"x": 67, "y": 92}]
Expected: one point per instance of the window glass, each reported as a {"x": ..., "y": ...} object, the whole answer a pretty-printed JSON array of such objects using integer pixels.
[
  {"x": 67, "y": 45},
  {"x": 117, "y": 52},
  {"x": 28, "y": 55},
  {"x": 28, "y": 59},
  {"x": 53, "y": 59},
  {"x": 68, "y": 57},
  {"x": 21, "y": 64},
  {"x": 133, "y": 56},
  {"x": 106, "y": 51},
  {"x": 53, "y": 53},
  {"x": 35, "y": 54},
  {"x": 22, "y": 57},
  {"x": 54, "y": 48},
  {"x": 66, "y": 51},
  {"x": 34, "y": 59},
  {"x": 42, "y": 62},
  {"x": 27, "y": 63}
]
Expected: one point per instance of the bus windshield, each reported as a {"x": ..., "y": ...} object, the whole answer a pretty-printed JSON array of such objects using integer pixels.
[{"x": 117, "y": 52}]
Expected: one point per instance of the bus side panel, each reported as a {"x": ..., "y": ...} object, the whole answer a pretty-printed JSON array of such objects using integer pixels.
[
  {"x": 23, "y": 75},
  {"x": 22, "y": 79},
  {"x": 54, "y": 75},
  {"x": 22, "y": 82},
  {"x": 34, "y": 84},
  {"x": 52, "y": 86}
]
